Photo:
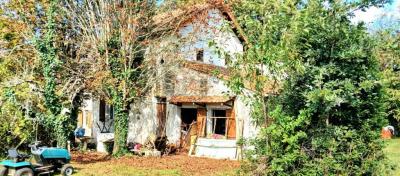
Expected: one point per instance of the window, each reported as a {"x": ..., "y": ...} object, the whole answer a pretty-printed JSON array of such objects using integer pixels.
[
  {"x": 102, "y": 111},
  {"x": 219, "y": 113},
  {"x": 105, "y": 111},
  {"x": 106, "y": 116},
  {"x": 111, "y": 112},
  {"x": 219, "y": 122},
  {"x": 200, "y": 55}
]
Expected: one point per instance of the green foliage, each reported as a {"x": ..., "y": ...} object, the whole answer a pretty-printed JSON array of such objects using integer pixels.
[
  {"x": 327, "y": 119},
  {"x": 58, "y": 124},
  {"x": 15, "y": 125},
  {"x": 30, "y": 60},
  {"x": 121, "y": 117},
  {"x": 50, "y": 63},
  {"x": 388, "y": 50},
  {"x": 19, "y": 96}
]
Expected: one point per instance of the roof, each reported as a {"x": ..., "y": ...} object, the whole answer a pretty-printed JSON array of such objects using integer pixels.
[
  {"x": 226, "y": 74},
  {"x": 208, "y": 69},
  {"x": 173, "y": 20},
  {"x": 200, "y": 99}
]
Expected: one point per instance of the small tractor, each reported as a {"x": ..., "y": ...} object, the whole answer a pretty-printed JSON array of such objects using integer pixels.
[{"x": 48, "y": 160}]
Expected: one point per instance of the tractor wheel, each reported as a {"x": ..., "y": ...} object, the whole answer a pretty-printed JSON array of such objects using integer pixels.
[
  {"x": 3, "y": 171},
  {"x": 24, "y": 172},
  {"x": 67, "y": 170}
]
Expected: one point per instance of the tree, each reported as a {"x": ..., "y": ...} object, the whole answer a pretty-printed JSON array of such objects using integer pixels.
[
  {"x": 19, "y": 95},
  {"x": 327, "y": 118},
  {"x": 33, "y": 55},
  {"x": 388, "y": 50},
  {"x": 114, "y": 36}
]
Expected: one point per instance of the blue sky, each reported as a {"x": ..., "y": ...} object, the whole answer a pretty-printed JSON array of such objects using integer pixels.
[{"x": 375, "y": 17}]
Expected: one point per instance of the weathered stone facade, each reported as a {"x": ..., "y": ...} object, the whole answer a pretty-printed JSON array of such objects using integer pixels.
[{"x": 193, "y": 75}]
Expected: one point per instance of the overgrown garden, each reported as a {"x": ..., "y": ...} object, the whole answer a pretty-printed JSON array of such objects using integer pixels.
[
  {"x": 338, "y": 82},
  {"x": 333, "y": 102}
]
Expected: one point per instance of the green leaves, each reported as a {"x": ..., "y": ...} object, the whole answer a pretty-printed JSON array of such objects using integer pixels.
[
  {"x": 59, "y": 125},
  {"x": 327, "y": 119},
  {"x": 388, "y": 53}
]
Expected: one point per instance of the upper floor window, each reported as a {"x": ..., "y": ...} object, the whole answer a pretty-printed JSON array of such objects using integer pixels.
[{"x": 200, "y": 55}]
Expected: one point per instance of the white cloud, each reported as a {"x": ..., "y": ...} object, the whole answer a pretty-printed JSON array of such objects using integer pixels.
[
  {"x": 370, "y": 15},
  {"x": 374, "y": 13}
]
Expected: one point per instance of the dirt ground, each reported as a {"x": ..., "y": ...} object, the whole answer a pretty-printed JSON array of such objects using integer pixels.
[{"x": 91, "y": 163}]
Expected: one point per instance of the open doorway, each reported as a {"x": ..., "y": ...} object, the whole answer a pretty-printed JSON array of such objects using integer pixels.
[
  {"x": 188, "y": 116},
  {"x": 188, "y": 127}
]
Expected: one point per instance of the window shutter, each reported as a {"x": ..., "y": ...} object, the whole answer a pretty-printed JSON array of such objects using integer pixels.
[
  {"x": 80, "y": 119},
  {"x": 89, "y": 119},
  {"x": 230, "y": 114}
]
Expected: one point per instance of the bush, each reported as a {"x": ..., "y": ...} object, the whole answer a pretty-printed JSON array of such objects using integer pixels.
[{"x": 327, "y": 119}]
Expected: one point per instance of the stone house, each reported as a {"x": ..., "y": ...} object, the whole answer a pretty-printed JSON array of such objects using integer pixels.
[{"x": 191, "y": 99}]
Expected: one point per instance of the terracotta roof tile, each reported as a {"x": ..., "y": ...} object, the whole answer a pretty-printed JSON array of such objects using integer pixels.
[
  {"x": 200, "y": 99},
  {"x": 208, "y": 69},
  {"x": 224, "y": 73}
]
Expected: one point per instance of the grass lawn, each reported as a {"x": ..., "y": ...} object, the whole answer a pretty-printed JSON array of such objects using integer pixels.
[
  {"x": 119, "y": 169},
  {"x": 392, "y": 151}
]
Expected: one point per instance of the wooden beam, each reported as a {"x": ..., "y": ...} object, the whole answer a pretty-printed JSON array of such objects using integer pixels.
[
  {"x": 229, "y": 104},
  {"x": 226, "y": 104},
  {"x": 200, "y": 104}
]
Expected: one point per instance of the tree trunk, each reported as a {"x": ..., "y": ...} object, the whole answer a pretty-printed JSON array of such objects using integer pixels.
[{"x": 120, "y": 125}]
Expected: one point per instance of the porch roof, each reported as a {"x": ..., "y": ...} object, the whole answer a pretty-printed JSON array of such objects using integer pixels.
[{"x": 200, "y": 99}]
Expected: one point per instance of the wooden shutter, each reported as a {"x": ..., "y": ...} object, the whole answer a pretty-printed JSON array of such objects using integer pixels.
[
  {"x": 231, "y": 132},
  {"x": 80, "y": 119},
  {"x": 161, "y": 116},
  {"x": 89, "y": 119},
  {"x": 201, "y": 121}
]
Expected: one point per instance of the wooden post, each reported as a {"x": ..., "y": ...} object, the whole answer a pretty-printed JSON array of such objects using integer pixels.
[
  {"x": 215, "y": 124},
  {"x": 193, "y": 140},
  {"x": 226, "y": 127},
  {"x": 69, "y": 146}
]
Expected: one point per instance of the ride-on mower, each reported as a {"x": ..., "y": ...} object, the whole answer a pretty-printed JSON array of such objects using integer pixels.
[{"x": 48, "y": 160}]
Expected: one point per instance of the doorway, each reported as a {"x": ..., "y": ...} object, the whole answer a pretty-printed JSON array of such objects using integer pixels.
[
  {"x": 188, "y": 116},
  {"x": 188, "y": 125}
]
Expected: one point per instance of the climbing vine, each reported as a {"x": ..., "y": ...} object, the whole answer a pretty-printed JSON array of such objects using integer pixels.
[
  {"x": 45, "y": 45},
  {"x": 121, "y": 123},
  {"x": 118, "y": 37}
]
